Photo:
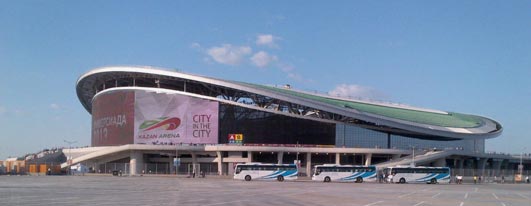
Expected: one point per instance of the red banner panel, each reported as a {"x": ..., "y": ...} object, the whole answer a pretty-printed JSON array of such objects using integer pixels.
[{"x": 113, "y": 118}]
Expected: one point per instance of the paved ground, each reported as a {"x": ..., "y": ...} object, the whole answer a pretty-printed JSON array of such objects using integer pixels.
[{"x": 107, "y": 190}]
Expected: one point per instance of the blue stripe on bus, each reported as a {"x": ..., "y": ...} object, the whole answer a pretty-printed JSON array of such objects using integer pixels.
[
  {"x": 440, "y": 176},
  {"x": 425, "y": 178},
  {"x": 364, "y": 175},
  {"x": 284, "y": 173}
]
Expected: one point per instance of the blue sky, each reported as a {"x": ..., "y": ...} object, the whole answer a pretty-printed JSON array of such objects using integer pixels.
[{"x": 462, "y": 56}]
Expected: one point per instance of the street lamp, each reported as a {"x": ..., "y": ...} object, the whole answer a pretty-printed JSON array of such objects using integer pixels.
[
  {"x": 413, "y": 159},
  {"x": 69, "y": 149},
  {"x": 521, "y": 166}
]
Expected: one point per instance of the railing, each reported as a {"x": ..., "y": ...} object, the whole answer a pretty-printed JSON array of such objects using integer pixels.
[{"x": 155, "y": 169}]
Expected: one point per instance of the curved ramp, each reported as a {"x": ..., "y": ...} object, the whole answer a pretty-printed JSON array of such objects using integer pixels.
[{"x": 420, "y": 158}]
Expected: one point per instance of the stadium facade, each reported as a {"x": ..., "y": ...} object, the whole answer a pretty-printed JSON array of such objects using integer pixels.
[{"x": 144, "y": 114}]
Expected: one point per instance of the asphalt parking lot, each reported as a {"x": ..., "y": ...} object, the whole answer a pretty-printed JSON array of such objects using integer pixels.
[{"x": 108, "y": 190}]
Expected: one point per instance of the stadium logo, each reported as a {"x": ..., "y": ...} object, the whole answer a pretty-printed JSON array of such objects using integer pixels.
[{"x": 165, "y": 123}]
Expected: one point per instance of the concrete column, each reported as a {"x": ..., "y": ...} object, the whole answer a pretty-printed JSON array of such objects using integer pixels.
[
  {"x": 338, "y": 159},
  {"x": 231, "y": 166},
  {"x": 469, "y": 165},
  {"x": 170, "y": 163},
  {"x": 249, "y": 156},
  {"x": 309, "y": 164},
  {"x": 368, "y": 159},
  {"x": 280, "y": 156},
  {"x": 497, "y": 166},
  {"x": 220, "y": 162},
  {"x": 194, "y": 162},
  {"x": 136, "y": 163},
  {"x": 460, "y": 166},
  {"x": 440, "y": 162},
  {"x": 481, "y": 166}
]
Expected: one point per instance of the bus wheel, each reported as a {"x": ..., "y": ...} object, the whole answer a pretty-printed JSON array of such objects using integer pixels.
[
  {"x": 433, "y": 181},
  {"x": 359, "y": 180},
  {"x": 402, "y": 181},
  {"x": 280, "y": 178},
  {"x": 248, "y": 178},
  {"x": 327, "y": 179}
]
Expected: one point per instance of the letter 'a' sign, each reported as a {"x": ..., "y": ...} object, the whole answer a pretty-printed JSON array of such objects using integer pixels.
[{"x": 235, "y": 138}]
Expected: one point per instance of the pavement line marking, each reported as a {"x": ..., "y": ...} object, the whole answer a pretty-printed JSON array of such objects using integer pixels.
[
  {"x": 222, "y": 203},
  {"x": 434, "y": 196},
  {"x": 190, "y": 201},
  {"x": 523, "y": 196},
  {"x": 503, "y": 204},
  {"x": 466, "y": 195},
  {"x": 462, "y": 203},
  {"x": 420, "y": 203},
  {"x": 401, "y": 196},
  {"x": 495, "y": 196},
  {"x": 374, "y": 203},
  {"x": 298, "y": 193}
]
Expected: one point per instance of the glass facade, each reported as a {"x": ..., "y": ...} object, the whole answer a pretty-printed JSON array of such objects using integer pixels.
[
  {"x": 353, "y": 136},
  {"x": 260, "y": 127}
]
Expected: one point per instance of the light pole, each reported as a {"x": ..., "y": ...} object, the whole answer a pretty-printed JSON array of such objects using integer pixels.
[
  {"x": 521, "y": 166},
  {"x": 413, "y": 159},
  {"x": 69, "y": 150}
]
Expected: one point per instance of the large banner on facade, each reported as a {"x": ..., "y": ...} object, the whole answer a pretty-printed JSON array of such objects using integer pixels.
[
  {"x": 162, "y": 118},
  {"x": 112, "y": 118}
]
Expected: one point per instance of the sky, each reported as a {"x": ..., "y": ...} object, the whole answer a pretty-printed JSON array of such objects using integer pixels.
[{"x": 469, "y": 57}]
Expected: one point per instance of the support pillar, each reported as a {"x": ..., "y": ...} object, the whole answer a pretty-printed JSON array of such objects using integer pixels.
[
  {"x": 309, "y": 164},
  {"x": 338, "y": 159},
  {"x": 280, "y": 156},
  {"x": 136, "y": 163},
  {"x": 469, "y": 164},
  {"x": 497, "y": 166},
  {"x": 249, "y": 156},
  {"x": 170, "y": 163},
  {"x": 481, "y": 166},
  {"x": 460, "y": 166},
  {"x": 388, "y": 140},
  {"x": 368, "y": 159},
  {"x": 220, "y": 162},
  {"x": 194, "y": 162}
]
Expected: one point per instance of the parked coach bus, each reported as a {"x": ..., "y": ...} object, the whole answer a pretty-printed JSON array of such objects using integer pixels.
[
  {"x": 430, "y": 175},
  {"x": 344, "y": 173},
  {"x": 261, "y": 171}
]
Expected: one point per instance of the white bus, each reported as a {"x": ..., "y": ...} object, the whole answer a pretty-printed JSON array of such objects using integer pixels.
[
  {"x": 262, "y": 171},
  {"x": 344, "y": 173},
  {"x": 430, "y": 175}
]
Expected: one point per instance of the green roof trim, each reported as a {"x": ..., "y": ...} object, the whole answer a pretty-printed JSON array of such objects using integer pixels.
[{"x": 451, "y": 119}]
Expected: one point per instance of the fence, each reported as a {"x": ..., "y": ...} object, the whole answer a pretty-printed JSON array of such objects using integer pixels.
[
  {"x": 156, "y": 168},
  {"x": 491, "y": 175}
]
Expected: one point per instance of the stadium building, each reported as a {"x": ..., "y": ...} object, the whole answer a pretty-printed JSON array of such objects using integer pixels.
[{"x": 144, "y": 116}]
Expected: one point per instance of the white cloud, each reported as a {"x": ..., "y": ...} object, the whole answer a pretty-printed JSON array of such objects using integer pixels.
[
  {"x": 196, "y": 46},
  {"x": 55, "y": 106},
  {"x": 355, "y": 91},
  {"x": 228, "y": 54},
  {"x": 266, "y": 40},
  {"x": 295, "y": 76},
  {"x": 262, "y": 59},
  {"x": 286, "y": 67}
]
